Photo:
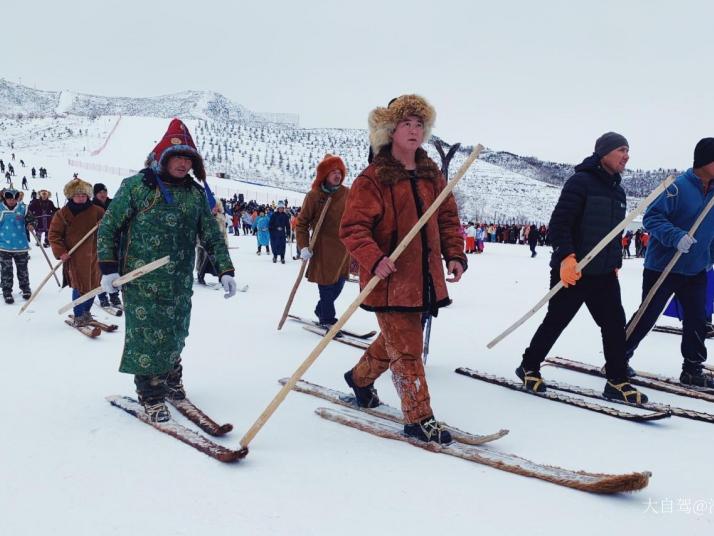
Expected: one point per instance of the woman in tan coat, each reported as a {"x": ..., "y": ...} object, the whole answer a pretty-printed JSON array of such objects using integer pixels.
[
  {"x": 329, "y": 261},
  {"x": 69, "y": 225}
]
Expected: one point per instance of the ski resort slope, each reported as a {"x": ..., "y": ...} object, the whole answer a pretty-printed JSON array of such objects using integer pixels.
[{"x": 74, "y": 465}]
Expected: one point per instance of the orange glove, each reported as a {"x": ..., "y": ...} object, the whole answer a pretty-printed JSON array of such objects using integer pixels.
[{"x": 568, "y": 270}]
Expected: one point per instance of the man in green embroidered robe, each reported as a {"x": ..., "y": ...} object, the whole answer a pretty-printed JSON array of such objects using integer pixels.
[{"x": 160, "y": 211}]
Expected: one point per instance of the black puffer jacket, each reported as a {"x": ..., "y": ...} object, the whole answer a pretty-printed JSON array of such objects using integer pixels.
[{"x": 591, "y": 204}]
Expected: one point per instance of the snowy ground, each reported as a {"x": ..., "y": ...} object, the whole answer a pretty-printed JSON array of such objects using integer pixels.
[{"x": 73, "y": 464}]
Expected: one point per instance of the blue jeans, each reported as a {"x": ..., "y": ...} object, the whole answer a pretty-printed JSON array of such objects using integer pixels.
[
  {"x": 82, "y": 308},
  {"x": 325, "y": 309}
]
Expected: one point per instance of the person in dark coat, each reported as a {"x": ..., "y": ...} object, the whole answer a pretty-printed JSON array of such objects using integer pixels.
[
  {"x": 102, "y": 200},
  {"x": 42, "y": 208},
  {"x": 533, "y": 238},
  {"x": 278, "y": 227},
  {"x": 591, "y": 203}
]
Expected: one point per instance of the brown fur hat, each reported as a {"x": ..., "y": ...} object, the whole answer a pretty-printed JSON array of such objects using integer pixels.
[
  {"x": 77, "y": 186},
  {"x": 328, "y": 165},
  {"x": 383, "y": 121}
]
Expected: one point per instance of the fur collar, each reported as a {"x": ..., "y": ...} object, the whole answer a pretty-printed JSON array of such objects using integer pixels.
[{"x": 391, "y": 171}]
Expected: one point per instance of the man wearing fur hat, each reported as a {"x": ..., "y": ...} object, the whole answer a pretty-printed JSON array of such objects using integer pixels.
[
  {"x": 384, "y": 203},
  {"x": 160, "y": 211},
  {"x": 591, "y": 204},
  {"x": 328, "y": 260},
  {"x": 14, "y": 220},
  {"x": 42, "y": 208},
  {"x": 667, "y": 220},
  {"x": 69, "y": 225}
]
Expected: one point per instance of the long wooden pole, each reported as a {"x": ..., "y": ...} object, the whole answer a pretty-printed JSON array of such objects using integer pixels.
[
  {"x": 60, "y": 263},
  {"x": 645, "y": 303},
  {"x": 134, "y": 274},
  {"x": 258, "y": 424},
  {"x": 37, "y": 241},
  {"x": 586, "y": 260},
  {"x": 303, "y": 264}
]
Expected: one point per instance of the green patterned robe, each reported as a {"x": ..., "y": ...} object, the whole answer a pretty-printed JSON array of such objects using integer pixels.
[{"x": 157, "y": 305}]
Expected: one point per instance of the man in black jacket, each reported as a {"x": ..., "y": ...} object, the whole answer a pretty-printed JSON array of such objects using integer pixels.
[{"x": 591, "y": 204}]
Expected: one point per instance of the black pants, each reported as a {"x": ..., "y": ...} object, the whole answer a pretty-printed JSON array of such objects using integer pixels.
[
  {"x": 533, "y": 248},
  {"x": 601, "y": 295},
  {"x": 691, "y": 291}
]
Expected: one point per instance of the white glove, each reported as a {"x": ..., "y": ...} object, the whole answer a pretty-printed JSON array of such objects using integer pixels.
[
  {"x": 685, "y": 243},
  {"x": 108, "y": 283},
  {"x": 229, "y": 285},
  {"x": 305, "y": 254}
]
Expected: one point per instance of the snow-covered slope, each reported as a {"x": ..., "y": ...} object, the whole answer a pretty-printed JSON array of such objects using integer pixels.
[{"x": 500, "y": 187}]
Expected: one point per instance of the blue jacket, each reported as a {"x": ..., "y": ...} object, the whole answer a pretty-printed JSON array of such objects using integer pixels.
[
  {"x": 12, "y": 228},
  {"x": 670, "y": 217}
]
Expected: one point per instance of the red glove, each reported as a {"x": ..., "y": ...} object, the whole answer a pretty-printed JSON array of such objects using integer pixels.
[{"x": 569, "y": 274}]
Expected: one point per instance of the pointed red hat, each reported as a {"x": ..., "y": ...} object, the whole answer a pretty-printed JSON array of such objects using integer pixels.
[{"x": 176, "y": 142}]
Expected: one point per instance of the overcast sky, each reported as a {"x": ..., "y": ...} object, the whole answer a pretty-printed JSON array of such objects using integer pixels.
[{"x": 536, "y": 78}]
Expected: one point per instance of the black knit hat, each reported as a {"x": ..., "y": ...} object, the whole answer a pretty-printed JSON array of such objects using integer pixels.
[
  {"x": 99, "y": 187},
  {"x": 609, "y": 142},
  {"x": 704, "y": 152}
]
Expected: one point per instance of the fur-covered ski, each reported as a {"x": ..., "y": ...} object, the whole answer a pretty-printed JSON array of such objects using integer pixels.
[
  {"x": 653, "y": 406},
  {"x": 90, "y": 331},
  {"x": 307, "y": 322},
  {"x": 558, "y": 397},
  {"x": 385, "y": 411},
  {"x": 344, "y": 339},
  {"x": 676, "y": 331},
  {"x": 486, "y": 455},
  {"x": 113, "y": 310},
  {"x": 176, "y": 430},
  {"x": 662, "y": 383},
  {"x": 189, "y": 410},
  {"x": 101, "y": 325}
]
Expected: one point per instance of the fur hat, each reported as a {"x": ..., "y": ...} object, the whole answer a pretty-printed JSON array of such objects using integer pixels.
[
  {"x": 328, "y": 165},
  {"x": 176, "y": 142},
  {"x": 44, "y": 191},
  {"x": 383, "y": 121},
  {"x": 77, "y": 186}
]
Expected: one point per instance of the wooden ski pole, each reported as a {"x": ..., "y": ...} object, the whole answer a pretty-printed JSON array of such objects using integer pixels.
[
  {"x": 60, "y": 263},
  {"x": 37, "y": 241},
  {"x": 134, "y": 274},
  {"x": 258, "y": 424},
  {"x": 645, "y": 303},
  {"x": 586, "y": 260},
  {"x": 303, "y": 264}
]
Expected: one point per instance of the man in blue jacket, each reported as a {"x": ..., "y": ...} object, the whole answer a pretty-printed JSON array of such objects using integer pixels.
[
  {"x": 667, "y": 220},
  {"x": 591, "y": 204}
]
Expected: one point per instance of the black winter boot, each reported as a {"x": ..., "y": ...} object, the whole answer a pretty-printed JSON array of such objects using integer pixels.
[
  {"x": 428, "y": 430},
  {"x": 532, "y": 380},
  {"x": 696, "y": 379},
  {"x": 152, "y": 393},
  {"x": 103, "y": 300},
  {"x": 8, "y": 298},
  {"x": 621, "y": 390},
  {"x": 114, "y": 299},
  {"x": 174, "y": 385},
  {"x": 366, "y": 396}
]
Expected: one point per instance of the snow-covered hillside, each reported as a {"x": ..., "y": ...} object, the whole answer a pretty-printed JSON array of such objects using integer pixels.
[{"x": 499, "y": 187}]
